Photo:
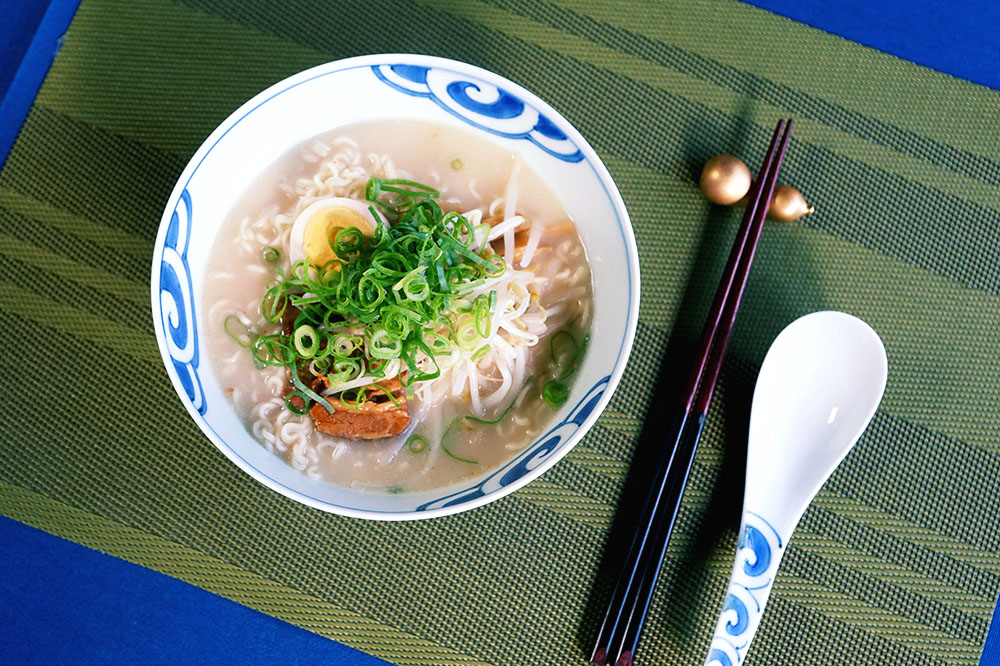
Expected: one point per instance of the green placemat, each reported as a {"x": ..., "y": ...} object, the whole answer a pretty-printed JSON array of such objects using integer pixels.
[{"x": 896, "y": 561}]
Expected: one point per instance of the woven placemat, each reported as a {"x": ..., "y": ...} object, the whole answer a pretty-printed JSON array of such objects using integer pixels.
[{"x": 895, "y": 562}]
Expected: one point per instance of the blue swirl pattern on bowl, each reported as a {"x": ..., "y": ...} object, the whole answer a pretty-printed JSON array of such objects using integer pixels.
[
  {"x": 482, "y": 105},
  {"x": 180, "y": 325}
]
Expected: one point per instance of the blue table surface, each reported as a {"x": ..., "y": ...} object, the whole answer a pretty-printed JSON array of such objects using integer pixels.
[{"x": 62, "y": 603}]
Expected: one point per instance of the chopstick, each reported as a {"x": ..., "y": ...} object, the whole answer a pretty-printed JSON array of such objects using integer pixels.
[{"x": 618, "y": 635}]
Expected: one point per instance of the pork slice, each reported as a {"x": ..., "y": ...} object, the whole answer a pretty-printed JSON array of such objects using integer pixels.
[{"x": 375, "y": 418}]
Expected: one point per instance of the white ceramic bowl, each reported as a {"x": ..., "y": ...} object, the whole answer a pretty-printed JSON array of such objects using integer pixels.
[{"x": 391, "y": 87}]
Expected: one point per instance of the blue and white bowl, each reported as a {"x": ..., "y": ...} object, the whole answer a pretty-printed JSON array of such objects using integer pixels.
[{"x": 409, "y": 87}]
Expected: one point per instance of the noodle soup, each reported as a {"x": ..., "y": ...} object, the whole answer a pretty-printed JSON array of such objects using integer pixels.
[{"x": 427, "y": 377}]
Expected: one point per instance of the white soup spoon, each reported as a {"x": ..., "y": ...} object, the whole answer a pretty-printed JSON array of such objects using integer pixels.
[{"x": 818, "y": 388}]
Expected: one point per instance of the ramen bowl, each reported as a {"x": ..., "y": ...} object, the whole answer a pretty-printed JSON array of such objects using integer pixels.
[{"x": 407, "y": 88}]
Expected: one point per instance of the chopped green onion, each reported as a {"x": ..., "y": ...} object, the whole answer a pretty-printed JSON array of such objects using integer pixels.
[
  {"x": 556, "y": 338},
  {"x": 496, "y": 266},
  {"x": 380, "y": 345},
  {"x": 370, "y": 292},
  {"x": 319, "y": 366},
  {"x": 238, "y": 331},
  {"x": 343, "y": 345},
  {"x": 388, "y": 394},
  {"x": 306, "y": 341},
  {"x": 417, "y": 443},
  {"x": 444, "y": 443},
  {"x": 403, "y": 194},
  {"x": 420, "y": 292},
  {"x": 438, "y": 344},
  {"x": 274, "y": 304},
  {"x": 270, "y": 254},
  {"x": 360, "y": 397},
  {"x": 272, "y": 350},
  {"x": 308, "y": 392},
  {"x": 481, "y": 235},
  {"x": 409, "y": 355},
  {"x": 346, "y": 241},
  {"x": 345, "y": 370},
  {"x": 555, "y": 393},
  {"x": 466, "y": 333},
  {"x": 292, "y": 407},
  {"x": 483, "y": 314},
  {"x": 390, "y": 263}
]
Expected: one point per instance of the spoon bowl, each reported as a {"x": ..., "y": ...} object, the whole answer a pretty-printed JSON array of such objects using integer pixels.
[
  {"x": 818, "y": 388},
  {"x": 817, "y": 391}
]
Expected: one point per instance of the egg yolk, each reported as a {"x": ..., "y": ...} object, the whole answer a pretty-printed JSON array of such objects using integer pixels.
[{"x": 322, "y": 228}]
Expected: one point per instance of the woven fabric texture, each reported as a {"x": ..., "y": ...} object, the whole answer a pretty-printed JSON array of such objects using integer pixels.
[{"x": 895, "y": 562}]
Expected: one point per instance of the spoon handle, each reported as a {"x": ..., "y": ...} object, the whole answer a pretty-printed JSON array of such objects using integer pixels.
[{"x": 757, "y": 557}]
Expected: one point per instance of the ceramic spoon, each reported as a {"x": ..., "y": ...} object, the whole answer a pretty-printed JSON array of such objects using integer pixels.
[{"x": 817, "y": 391}]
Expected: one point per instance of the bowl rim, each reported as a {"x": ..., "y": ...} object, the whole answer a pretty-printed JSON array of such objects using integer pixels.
[{"x": 589, "y": 156}]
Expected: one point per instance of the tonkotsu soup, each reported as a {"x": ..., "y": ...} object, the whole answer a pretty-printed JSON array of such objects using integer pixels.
[{"x": 397, "y": 306}]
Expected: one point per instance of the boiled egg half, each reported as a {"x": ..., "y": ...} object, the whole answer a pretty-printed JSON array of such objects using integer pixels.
[{"x": 318, "y": 224}]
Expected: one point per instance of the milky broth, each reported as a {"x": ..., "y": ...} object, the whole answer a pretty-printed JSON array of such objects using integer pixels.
[{"x": 471, "y": 172}]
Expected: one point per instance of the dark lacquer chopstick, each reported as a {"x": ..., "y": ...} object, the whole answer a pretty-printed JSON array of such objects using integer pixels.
[
  {"x": 616, "y": 638},
  {"x": 648, "y": 580}
]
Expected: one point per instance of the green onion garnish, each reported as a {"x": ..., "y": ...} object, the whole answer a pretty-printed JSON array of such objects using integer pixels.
[
  {"x": 306, "y": 341},
  {"x": 555, "y": 392},
  {"x": 402, "y": 194},
  {"x": 476, "y": 420},
  {"x": 274, "y": 304},
  {"x": 309, "y": 394},
  {"x": 238, "y": 331},
  {"x": 388, "y": 393},
  {"x": 407, "y": 286},
  {"x": 292, "y": 407},
  {"x": 417, "y": 443},
  {"x": 444, "y": 446}
]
